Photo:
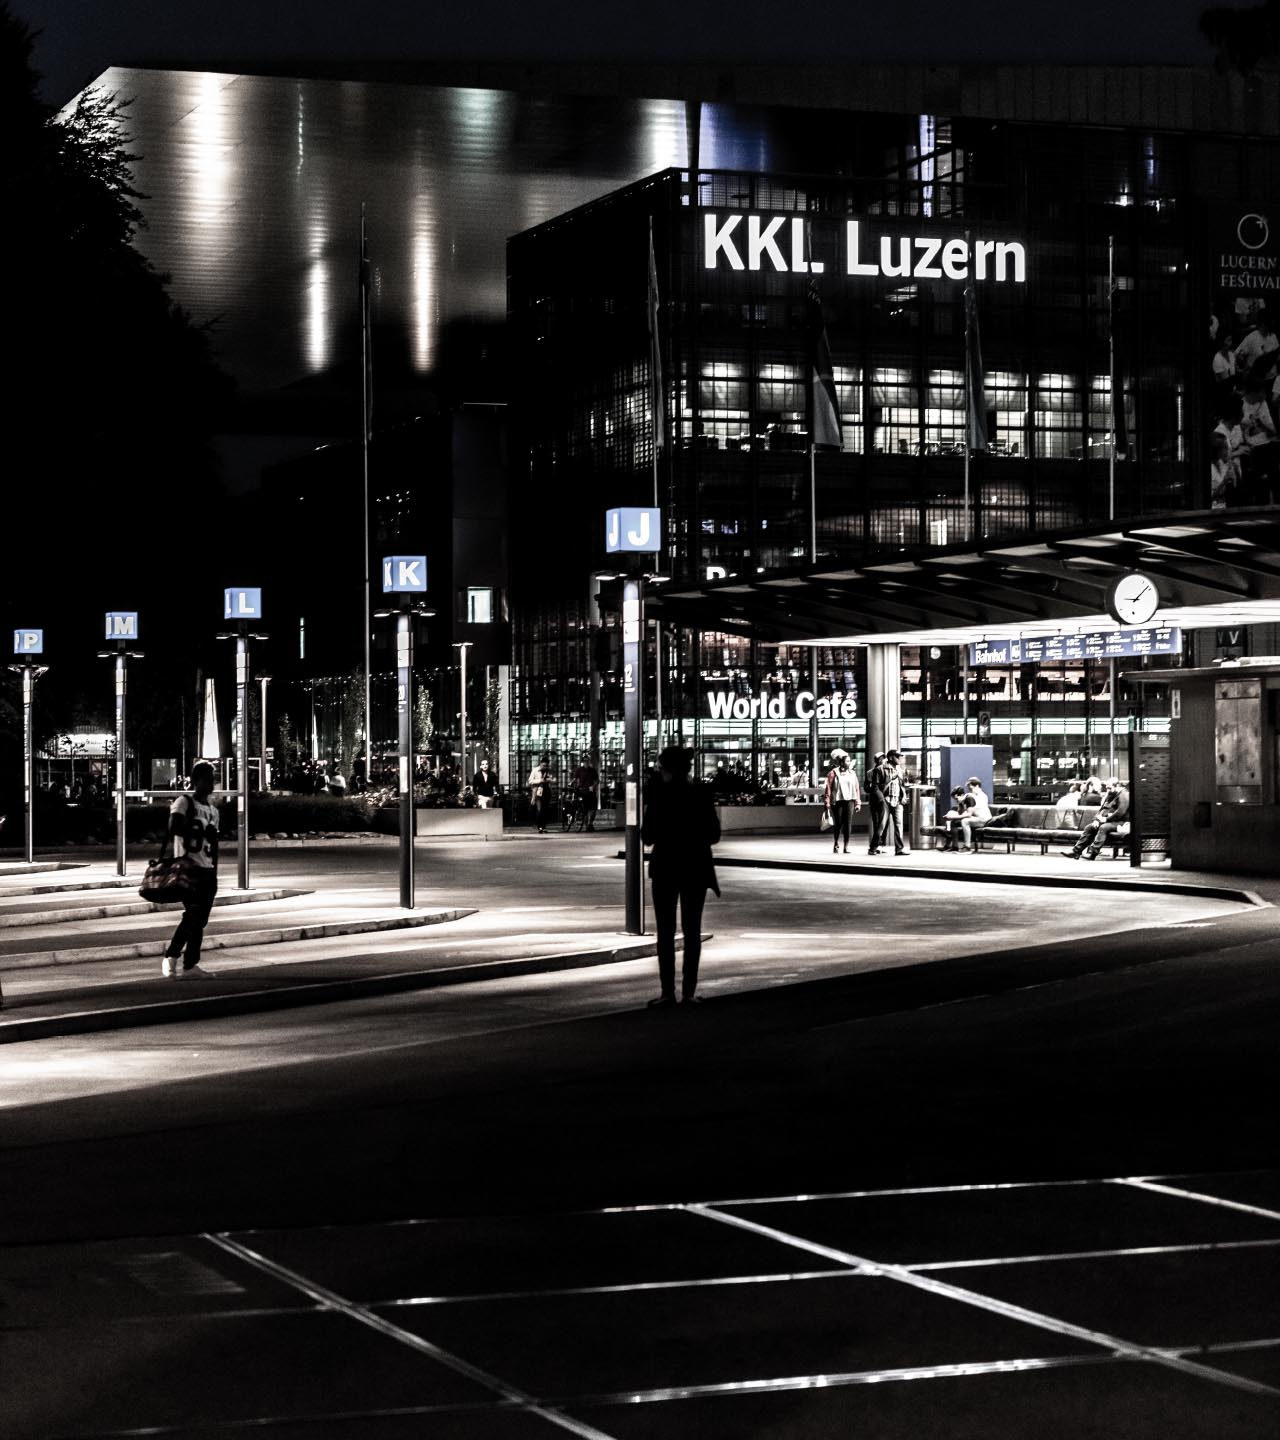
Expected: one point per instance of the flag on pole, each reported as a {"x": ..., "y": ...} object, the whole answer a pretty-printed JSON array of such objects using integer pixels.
[
  {"x": 210, "y": 744},
  {"x": 366, "y": 330},
  {"x": 824, "y": 414},
  {"x": 975, "y": 383},
  {"x": 1119, "y": 428},
  {"x": 658, "y": 408}
]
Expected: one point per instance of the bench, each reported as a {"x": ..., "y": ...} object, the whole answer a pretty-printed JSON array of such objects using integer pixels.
[{"x": 1041, "y": 825}]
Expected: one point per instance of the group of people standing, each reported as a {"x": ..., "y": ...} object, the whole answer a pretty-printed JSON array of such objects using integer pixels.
[{"x": 886, "y": 795}]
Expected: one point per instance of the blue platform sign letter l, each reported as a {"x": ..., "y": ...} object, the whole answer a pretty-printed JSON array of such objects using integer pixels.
[{"x": 242, "y": 604}]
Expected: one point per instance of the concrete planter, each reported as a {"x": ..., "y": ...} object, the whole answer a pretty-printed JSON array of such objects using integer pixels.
[
  {"x": 774, "y": 819},
  {"x": 460, "y": 824}
]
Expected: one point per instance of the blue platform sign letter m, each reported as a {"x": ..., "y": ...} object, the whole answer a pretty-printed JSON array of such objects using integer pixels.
[
  {"x": 242, "y": 604},
  {"x": 122, "y": 624},
  {"x": 28, "y": 642},
  {"x": 404, "y": 574},
  {"x": 633, "y": 529}
]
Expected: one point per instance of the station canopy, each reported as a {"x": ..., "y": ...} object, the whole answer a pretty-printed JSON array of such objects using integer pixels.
[{"x": 1211, "y": 568}]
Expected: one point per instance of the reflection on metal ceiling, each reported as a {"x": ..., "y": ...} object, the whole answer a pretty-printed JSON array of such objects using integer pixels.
[
  {"x": 254, "y": 186},
  {"x": 1215, "y": 567}
]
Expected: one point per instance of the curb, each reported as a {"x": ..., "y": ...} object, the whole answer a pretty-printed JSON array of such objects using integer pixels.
[
  {"x": 1080, "y": 881},
  {"x": 318, "y": 992},
  {"x": 149, "y": 949},
  {"x": 22, "y": 921}
]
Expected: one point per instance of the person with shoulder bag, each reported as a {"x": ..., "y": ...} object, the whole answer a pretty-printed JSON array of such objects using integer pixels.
[
  {"x": 193, "y": 833},
  {"x": 842, "y": 799}
]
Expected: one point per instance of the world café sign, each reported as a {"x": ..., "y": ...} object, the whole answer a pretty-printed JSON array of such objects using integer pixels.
[{"x": 777, "y": 244}]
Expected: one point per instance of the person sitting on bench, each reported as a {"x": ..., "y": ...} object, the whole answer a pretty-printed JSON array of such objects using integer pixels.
[{"x": 1111, "y": 815}]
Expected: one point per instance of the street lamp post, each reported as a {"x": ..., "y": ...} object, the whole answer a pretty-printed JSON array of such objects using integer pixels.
[
  {"x": 405, "y": 576},
  {"x": 27, "y": 643},
  {"x": 242, "y": 606},
  {"x": 635, "y": 534},
  {"x": 462, "y": 646},
  {"x": 122, "y": 626}
]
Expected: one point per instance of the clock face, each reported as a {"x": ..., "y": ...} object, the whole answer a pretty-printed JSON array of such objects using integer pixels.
[{"x": 1133, "y": 599}]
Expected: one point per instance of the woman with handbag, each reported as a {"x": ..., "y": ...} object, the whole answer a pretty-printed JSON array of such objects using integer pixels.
[
  {"x": 193, "y": 835},
  {"x": 841, "y": 798}
]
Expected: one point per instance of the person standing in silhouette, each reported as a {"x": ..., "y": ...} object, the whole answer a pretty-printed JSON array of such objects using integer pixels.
[
  {"x": 193, "y": 832},
  {"x": 681, "y": 824}
]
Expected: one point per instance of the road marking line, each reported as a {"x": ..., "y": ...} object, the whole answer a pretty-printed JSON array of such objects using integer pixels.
[
  {"x": 1159, "y": 1189},
  {"x": 1127, "y": 1348},
  {"x": 331, "y": 1300},
  {"x": 1116, "y": 1254},
  {"x": 634, "y": 1288}
]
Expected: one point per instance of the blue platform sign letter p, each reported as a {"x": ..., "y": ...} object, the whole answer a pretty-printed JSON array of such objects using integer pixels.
[
  {"x": 632, "y": 529},
  {"x": 242, "y": 604},
  {"x": 404, "y": 574},
  {"x": 28, "y": 642}
]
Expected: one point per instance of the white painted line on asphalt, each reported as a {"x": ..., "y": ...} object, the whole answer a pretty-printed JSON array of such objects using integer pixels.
[
  {"x": 634, "y": 1288},
  {"x": 1143, "y": 1184},
  {"x": 852, "y": 1377},
  {"x": 1050, "y": 1258},
  {"x": 331, "y": 1300},
  {"x": 940, "y": 1288}
]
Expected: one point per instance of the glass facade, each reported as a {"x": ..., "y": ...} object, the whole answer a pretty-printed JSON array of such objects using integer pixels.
[{"x": 1115, "y": 253}]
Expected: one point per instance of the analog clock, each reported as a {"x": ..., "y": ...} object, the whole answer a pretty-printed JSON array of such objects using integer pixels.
[{"x": 1133, "y": 599}]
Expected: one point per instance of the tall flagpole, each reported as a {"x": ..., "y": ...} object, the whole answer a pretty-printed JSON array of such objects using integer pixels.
[
  {"x": 364, "y": 451},
  {"x": 1111, "y": 479},
  {"x": 968, "y": 400},
  {"x": 657, "y": 406}
]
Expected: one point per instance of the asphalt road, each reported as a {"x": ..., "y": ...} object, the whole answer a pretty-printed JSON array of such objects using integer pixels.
[{"x": 509, "y": 1128}]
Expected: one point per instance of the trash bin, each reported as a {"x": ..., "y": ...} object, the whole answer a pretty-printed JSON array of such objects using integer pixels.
[{"x": 922, "y": 816}]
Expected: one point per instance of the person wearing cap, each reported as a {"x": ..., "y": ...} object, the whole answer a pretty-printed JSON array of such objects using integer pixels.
[
  {"x": 875, "y": 802},
  {"x": 681, "y": 824},
  {"x": 842, "y": 798},
  {"x": 893, "y": 791}
]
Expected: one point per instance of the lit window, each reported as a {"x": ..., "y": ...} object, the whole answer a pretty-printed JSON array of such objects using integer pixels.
[{"x": 479, "y": 606}]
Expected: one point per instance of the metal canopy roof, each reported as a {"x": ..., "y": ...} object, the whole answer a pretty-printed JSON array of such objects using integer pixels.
[{"x": 1215, "y": 567}]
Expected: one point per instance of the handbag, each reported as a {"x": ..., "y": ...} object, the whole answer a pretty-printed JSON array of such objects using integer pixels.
[
  {"x": 169, "y": 880},
  {"x": 824, "y": 820}
]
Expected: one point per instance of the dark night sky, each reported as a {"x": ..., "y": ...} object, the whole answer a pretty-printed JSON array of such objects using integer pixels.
[{"x": 82, "y": 37}]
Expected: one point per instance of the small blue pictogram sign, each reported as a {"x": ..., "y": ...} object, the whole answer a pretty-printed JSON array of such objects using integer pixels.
[
  {"x": 632, "y": 530},
  {"x": 28, "y": 642},
  {"x": 404, "y": 574},
  {"x": 122, "y": 624},
  {"x": 242, "y": 604}
]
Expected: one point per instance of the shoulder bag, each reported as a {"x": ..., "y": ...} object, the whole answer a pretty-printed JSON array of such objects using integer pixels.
[{"x": 169, "y": 879}]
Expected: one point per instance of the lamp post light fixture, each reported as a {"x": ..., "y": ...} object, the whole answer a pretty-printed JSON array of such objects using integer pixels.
[{"x": 122, "y": 626}]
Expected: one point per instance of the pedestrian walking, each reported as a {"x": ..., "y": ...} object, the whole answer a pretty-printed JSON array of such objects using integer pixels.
[
  {"x": 193, "y": 832},
  {"x": 681, "y": 824},
  {"x": 875, "y": 802},
  {"x": 539, "y": 788},
  {"x": 893, "y": 787},
  {"x": 842, "y": 798}
]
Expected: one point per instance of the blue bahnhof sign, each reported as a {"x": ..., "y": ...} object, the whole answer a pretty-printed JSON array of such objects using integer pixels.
[
  {"x": 28, "y": 642},
  {"x": 632, "y": 530},
  {"x": 1093, "y": 645},
  {"x": 242, "y": 604},
  {"x": 404, "y": 574}
]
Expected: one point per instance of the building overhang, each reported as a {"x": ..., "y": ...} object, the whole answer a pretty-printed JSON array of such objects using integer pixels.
[{"x": 1211, "y": 568}]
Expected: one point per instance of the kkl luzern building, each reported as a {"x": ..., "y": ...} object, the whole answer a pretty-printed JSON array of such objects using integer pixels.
[{"x": 1021, "y": 333}]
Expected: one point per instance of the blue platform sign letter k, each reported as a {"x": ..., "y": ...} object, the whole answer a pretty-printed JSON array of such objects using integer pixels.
[{"x": 404, "y": 574}]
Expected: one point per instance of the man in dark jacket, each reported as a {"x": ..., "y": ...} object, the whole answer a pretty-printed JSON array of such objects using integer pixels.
[
  {"x": 875, "y": 801},
  {"x": 681, "y": 824},
  {"x": 1112, "y": 813}
]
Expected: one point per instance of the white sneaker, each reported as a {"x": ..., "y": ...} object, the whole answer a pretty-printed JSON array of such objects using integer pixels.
[
  {"x": 197, "y": 972},
  {"x": 171, "y": 968}
]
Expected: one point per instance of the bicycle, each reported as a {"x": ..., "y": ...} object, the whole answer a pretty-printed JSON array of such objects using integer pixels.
[{"x": 573, "y": 813}]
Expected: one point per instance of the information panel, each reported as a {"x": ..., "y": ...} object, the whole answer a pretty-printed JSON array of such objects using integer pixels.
[{"x": 1093, "y": 645}]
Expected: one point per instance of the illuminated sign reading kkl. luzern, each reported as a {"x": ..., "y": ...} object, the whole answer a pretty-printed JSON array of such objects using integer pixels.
[{"x": 777, "y": 244}]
